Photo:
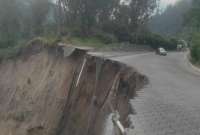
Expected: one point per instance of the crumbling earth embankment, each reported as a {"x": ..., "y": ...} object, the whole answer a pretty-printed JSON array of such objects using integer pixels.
[{"x": 57, "y": 91}]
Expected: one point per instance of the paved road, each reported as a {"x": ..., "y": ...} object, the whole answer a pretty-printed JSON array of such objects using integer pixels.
[{"x": 170, "y": 104}]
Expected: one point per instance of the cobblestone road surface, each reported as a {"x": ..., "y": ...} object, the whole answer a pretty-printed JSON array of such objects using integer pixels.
[{"x": 170, "y": 104}]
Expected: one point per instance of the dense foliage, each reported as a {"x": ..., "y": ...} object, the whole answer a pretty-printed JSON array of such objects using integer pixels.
[
  {"x": 22, "y": 19},
  {"x": 170, "y": 21},
  {"x": 155, "y": 41},
  {"x": 195, "y": 48},
  {"x": 9, "y": 22},
  {"x": 91, "y": 17},
  {"x": 193, "y": 27},
  {"x": 107, "y": 20}
]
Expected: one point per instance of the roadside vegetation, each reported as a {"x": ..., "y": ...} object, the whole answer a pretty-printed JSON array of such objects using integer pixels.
[
  {"x": 195, "y": 49},
  {"x": 98, "y": 23},
  {"x": 156, "y": 40},
  {"x": 192, "y": 22}
]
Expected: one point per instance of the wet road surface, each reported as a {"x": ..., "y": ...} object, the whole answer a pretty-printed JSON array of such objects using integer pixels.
[{"x": 170, "y": 104}]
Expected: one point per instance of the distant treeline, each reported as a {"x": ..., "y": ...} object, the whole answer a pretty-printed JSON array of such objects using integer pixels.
[
  {"x": 108, "y": 20},
  {"x": 170, "y": 22},
  {"x": 23, "y": 19}
]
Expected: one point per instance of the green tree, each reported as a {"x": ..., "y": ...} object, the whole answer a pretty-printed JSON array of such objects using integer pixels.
[
  {"x": 106, "y": 15},
  {"x": 192, "y": 22},
  {"x": 9, "y": 23},
  {"x": 39, "y": 13},
  {"x": 195, "y": 48},
  {"x": 193, "y": 16},
  {"x": 170, "y": 22}
]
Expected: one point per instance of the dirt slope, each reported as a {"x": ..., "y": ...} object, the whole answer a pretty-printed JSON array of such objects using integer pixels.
[{"x": 39, "y": 94}]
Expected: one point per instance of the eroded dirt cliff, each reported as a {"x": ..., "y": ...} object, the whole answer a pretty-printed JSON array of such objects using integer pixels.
[{"x": 49, "y": 91}]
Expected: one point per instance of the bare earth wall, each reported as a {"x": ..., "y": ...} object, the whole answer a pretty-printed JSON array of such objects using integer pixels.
[{"x": 39, "y": 94}]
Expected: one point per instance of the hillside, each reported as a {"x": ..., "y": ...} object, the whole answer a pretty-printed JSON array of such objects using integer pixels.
[{"x": 47, "y": 90}]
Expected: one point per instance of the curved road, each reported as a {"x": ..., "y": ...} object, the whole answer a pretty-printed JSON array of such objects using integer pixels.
[{"x": 170, "y": 104}]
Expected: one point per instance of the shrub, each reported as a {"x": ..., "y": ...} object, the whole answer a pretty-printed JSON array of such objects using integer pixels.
[
  {"x": 195, "y": 53},
  {"x": 155, "y": 41},
  {"x": 8, "y": 52},
  {"x": 122, "y": 34},
  {"x": 195, "y": 48},
  {"x": 106, "y": 37},
  {"x": 7, "y": 42}
]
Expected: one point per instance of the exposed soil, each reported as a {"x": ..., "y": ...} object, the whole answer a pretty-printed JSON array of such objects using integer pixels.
[{"x": 40, "y": 95}]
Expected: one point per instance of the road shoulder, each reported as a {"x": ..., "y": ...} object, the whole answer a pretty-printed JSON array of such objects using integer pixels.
[{"x": 195, "y": 68}]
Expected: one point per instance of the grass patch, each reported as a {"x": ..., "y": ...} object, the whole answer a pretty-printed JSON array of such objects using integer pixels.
[
  {"x": 44, "y": 41},
  {"x": 13, "y": 51},
  {"x": 90, "y": 42}
]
